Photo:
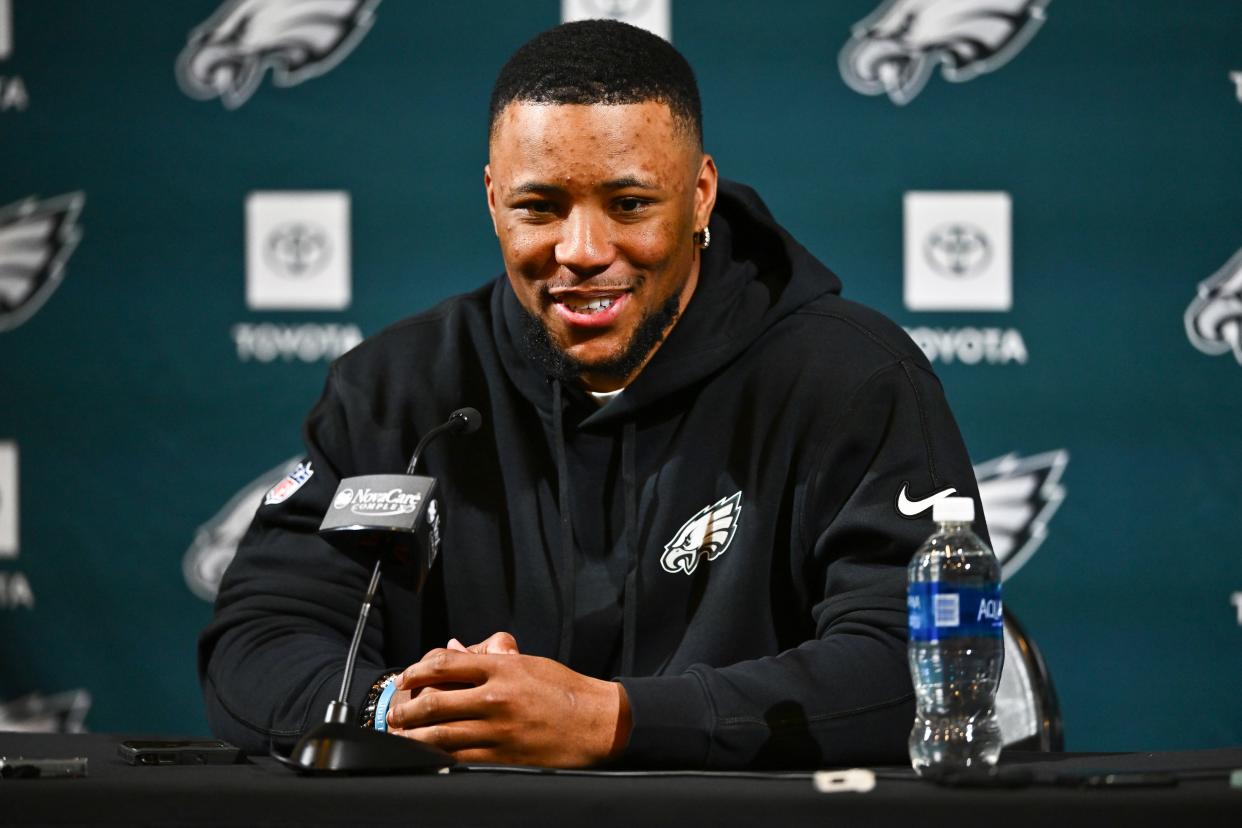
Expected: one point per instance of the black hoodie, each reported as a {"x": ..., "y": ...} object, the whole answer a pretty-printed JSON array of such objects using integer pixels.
[{"x": 724, "y": 537}]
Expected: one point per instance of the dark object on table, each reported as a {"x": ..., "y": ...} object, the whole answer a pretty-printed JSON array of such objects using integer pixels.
[
  {"x": 183, "y": 752},
  {"x": 344, "y": 747},
  {"x": 21, "y": 767}
]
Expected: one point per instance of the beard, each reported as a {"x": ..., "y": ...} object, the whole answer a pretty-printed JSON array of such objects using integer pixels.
[{"x": 539, "y": 346}]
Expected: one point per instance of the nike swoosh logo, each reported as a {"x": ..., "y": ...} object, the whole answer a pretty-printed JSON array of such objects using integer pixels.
[{"x": 913, "y": 508}]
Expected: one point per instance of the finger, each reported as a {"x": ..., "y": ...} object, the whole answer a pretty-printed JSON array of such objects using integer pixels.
[
  {"x": 398, "y": 698},
  {"x": 457, "y": 646},
  {"x": 455, "y": 738},
  {"x": 446, "y": 706},
  {"x": 444, "y": 667},
  {"x": 501, "y": 643},
  {"x": 482, "y": 756}
]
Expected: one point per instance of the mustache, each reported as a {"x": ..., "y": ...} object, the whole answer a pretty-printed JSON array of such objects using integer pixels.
[{"x": 593, "y": 283}]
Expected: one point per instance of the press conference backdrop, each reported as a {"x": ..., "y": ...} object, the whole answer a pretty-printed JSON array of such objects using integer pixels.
[{"x": 208, "y": 201}]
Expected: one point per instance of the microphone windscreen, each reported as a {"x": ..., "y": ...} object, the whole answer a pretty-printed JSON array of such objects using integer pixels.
[{"x": 469, "y": 420}]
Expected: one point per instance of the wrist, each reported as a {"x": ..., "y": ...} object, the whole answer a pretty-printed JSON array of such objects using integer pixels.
[{"x": 624, "y": 723}]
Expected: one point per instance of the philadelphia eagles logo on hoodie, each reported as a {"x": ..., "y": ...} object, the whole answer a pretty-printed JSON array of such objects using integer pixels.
[
  {"x": 227, "y": 56},
  {"x": 36, "y": 239},
  {"x": 706, "y": 535},
  {"x": 894, "y": 50},
  {"x": 1214, "y": 316}
]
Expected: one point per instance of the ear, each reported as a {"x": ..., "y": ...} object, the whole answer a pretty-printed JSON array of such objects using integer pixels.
[
  {"x": 705, "y": 192},
  {"x": 491, "y": 195}
]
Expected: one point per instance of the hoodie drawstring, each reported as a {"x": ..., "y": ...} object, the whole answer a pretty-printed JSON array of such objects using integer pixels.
[
  {"x": 629, "y": 596},
  {"x": 568, "y": 561}
]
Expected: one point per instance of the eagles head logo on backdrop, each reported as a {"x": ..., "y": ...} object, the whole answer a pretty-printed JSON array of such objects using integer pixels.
[
  {"x": 1214, "y": 317},
  {"x": 215, "y": 542},
  {"x": 227, "y": 56},
  {"x": 895, "y": 50},
  {"x": 36, "y": 239},
  {"x": 1019, "y": 495},
  {"x": 36, "y": 713},
  {"x": 706, "y": 535}
]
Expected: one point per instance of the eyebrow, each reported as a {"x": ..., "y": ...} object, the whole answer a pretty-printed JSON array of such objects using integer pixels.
[
  {"x": 537, "y": 188},
  {"x": 623, "y": 183},
  {"x": 628, "y": 182}
]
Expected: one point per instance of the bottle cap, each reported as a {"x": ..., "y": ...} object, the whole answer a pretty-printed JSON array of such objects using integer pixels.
[{"x": 954, "y": 510}]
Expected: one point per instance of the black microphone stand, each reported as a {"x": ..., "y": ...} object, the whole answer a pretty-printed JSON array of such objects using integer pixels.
[{"x": 340, "y": 745}]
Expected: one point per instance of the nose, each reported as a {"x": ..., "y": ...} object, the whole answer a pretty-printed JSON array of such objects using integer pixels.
[{"x": 584, "y": 246}]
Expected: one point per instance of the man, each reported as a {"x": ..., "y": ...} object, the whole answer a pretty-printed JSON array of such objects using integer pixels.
[{"x": 680, "y": 537}]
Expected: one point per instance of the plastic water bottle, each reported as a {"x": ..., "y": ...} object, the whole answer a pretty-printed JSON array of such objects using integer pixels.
[{"x": 956, "y": 648}]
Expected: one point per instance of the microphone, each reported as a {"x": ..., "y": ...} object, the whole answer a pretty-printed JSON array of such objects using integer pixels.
[
  {"x": 462, "y": 421},
  {"x": 383, "y": 514},
  {"x": 394, "y": 517}
]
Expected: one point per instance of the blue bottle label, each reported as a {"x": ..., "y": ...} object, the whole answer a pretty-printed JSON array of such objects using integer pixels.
[{"x": 939, "y": 611}]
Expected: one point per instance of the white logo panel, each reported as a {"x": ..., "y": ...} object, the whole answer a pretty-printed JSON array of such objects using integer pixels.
[
  {"x": 653, "y": 15},
  {"x": 958, "y": 251},
  {"x": 8, "y": 500},
  {"x": 297, "y": 250},
  {"x": 6, "y": 29}
]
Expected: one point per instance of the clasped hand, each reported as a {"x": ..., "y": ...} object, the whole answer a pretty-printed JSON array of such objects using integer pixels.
[{"x": 490, "y": 704}]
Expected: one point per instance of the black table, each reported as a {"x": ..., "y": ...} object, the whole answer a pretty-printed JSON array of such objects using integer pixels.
[{"x": 262, "y": 792}]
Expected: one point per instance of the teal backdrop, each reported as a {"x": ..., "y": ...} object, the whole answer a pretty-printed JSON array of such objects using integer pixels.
[{"x": 144, "y": 394}]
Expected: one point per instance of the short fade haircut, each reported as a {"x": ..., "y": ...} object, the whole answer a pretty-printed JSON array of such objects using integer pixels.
[{"x": 600, "y": 62}]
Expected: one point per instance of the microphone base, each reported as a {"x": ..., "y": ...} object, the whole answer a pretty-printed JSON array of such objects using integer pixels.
[{"x": 338, "y": 748}]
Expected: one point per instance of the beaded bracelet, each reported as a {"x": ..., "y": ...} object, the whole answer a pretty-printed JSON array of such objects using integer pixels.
[{"x": 367, "y": 717}]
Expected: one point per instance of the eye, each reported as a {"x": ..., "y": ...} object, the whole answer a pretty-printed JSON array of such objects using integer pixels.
[
  {"x": 631, "y": 204},
  {"x": 539, "y": 207}
]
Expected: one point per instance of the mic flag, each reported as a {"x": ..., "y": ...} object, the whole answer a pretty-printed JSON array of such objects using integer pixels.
[{"x": 394, "y": 517}]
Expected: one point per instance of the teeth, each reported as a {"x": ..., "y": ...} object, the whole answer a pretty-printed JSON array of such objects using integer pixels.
[{"x": 593, "y": 306}]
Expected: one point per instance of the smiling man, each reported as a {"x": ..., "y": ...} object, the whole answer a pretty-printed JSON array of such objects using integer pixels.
[
  {"x": 680, "y": 537},
  {"x": 598, "y": 208}
]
